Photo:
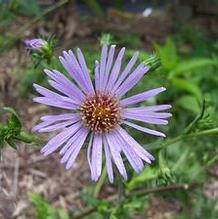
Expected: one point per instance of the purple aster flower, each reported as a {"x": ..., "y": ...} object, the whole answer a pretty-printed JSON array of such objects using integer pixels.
[
  {"x": 35, "y": 44},
  {"x": 99, "y": 112}
]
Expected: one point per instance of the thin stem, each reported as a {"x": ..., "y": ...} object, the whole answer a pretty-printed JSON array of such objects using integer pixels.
[
  {"x": 100, "y": 183},
  {"x": 121, "y": 191},
  {"x": 183, "y": 137},
  {"x": 27, "y": 138},
  {"x": 212, "y": 161}
]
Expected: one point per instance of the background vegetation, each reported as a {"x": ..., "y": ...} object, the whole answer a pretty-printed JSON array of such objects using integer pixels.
[{"x": 184, "y": 60}]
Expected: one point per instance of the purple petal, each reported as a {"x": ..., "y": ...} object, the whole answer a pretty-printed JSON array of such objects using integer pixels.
[
  {"x": 108, "y": 161},
  {"x": 103, "y": 64},
  {"x": 136, "y": 146},
  {"x": 71, "y": 65},
  {"x": 89, "y": 149},
  {"x": 52, "y": 102},
  {"x": 75, "y": 149},
  {"x": 116, "y": 70},
  {"x": 132, "y": 80},
  {"x": 64, "y": 90},
  {"x": 143, "y": 129},
  {"x": 72, "y": 139},
  {"x": 72, "y": 144},
  {"x": 85, "y": 70},
  {"x": 50, "y": 94},
  {"x": 142, "y": 118},
  {"x": 60, "y": 117},
  {"x": 52, "y": 97},
  {"x": 65, "y": 82},
  {"x": 42, "y": 125},
  {"x": 116, "y": 155},
  {"x": 141, "y": 96},
  {"x": 130, "y": 154},
  {"x": 148, "y": 109},
  {"x": 97, "y": 76},
  {"x": 59, "y": 139},
  {"x": 146, "y": 114},
  {"x": 56, "y": 126},
  {"x": 126, "y": 71},
  {"x": 96, "y": 156},
  {"x": 51, "y": 119},
  {"x": 108, "y": 66}
]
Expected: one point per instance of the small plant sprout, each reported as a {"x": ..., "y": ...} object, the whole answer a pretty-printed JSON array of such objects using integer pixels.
[
  {"x": 11, "y": 130},
  {"x": 99, "y": 111}
]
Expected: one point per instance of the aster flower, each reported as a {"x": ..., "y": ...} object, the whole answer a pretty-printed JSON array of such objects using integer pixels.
[
  {"x": 35, "y": 44},
  {"x": 98, "y": 112}
]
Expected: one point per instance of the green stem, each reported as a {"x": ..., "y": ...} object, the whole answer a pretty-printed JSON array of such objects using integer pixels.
[
  {"x": 100, "y": 183},
  {"x": 27, "y": 138},
  {"x": 213, "y": 160},
  {"x": 121, "y": 191},
  {"x": 183, "y": 137}
]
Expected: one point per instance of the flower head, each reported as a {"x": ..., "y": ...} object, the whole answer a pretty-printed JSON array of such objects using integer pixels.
[
  {"x": 98, "y": 112},
  {"x": 35, "y": 44}
]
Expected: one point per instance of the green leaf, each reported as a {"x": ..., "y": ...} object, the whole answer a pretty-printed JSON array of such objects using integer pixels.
[
  {"x": 148, "y": 174},
  {"x": 188, "y": 66},
  {"x": 12, "y": 144},
  {"x": 42, "y": 208},
  {"x": 14, "y": 120},
  {"x": 187, "y": 86},
  {"x": 167, "y": 54},
  {"x": 189, "y": 103},
  {"x": 112, "y": 216},
  {"x": 1, "y": 143},
  {"x": 62, "y": 214}
]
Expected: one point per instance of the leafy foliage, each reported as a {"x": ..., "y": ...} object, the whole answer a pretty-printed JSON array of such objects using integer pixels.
[
  {"x": 44, "y": 210},
  {"x": 11, "y": 130}
]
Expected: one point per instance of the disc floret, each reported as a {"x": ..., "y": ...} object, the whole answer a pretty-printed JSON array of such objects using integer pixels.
[{"x": 101, "y": 112}]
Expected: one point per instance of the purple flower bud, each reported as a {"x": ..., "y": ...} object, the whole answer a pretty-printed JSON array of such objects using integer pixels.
[{"x": 35, "y": 44}]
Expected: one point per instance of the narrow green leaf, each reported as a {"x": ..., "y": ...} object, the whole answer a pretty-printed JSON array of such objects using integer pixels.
[
  {"x": 187, "y": 86},
  {"x": 188, "y": 66},
  {"x": 12, "y": 144},
  {"x": 167, "y": 54},
  {"x": 14, "y": 119},
  {"x": 190, "y": 103}
]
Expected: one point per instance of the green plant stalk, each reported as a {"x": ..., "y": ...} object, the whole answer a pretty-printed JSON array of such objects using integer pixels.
[
  {"x": 212, "y": 161},
  {"x": 192, "y": 124},
  {"x": 183, "y": 137},
  {"x": 100, "y": 183},
  {"x": 121, "y": 191},
  {"x": 27, "y": 138}
]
